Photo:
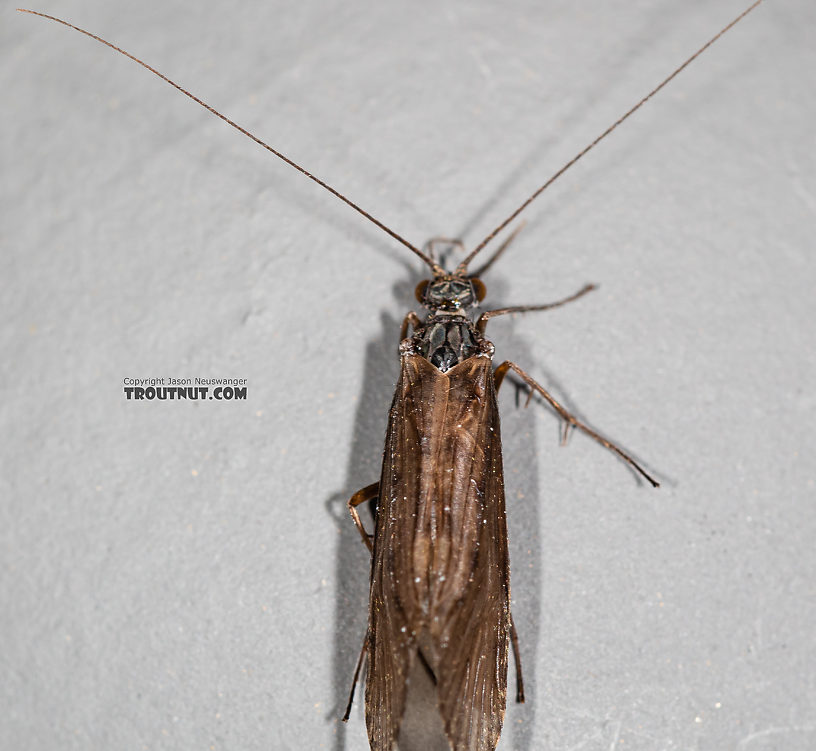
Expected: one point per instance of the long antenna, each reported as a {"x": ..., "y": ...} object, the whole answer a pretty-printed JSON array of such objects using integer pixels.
[
  {"x": 434, "y": 267},
  {"x": 463, "y": 266}
]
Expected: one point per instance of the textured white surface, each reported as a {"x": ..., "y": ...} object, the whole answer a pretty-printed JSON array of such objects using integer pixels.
[{"x": 184, "y": 575}]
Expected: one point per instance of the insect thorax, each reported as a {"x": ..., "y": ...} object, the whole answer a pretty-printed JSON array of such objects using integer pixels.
[{"x": 446, "y": 339}]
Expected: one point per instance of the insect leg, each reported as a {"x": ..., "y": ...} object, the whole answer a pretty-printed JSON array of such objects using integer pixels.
[
  {"x": 488, "y": 314},
  {"x": 368, "y": 493},
  {"x": 572, "y": 422},
  {"x": 429, "y": 246},
  {"x": 347, "y": 713},
  {"x": 517, "y": 659},
  {"x": 413, "y": 320}
]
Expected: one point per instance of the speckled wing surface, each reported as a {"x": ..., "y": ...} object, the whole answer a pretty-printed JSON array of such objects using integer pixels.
[{"x": 440, "y": 569}]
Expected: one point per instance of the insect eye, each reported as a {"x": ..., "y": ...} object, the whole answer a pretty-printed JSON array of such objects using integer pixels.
[
  {"x": 419, "y": 292},
  {"x": 479, "y": 288}
]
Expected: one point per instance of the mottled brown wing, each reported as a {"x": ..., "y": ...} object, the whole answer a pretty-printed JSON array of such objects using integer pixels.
[
  {"x": 397, "y": 610},
  {"x": 440, "y": 568},
  {"x": 470, "y": 622}
]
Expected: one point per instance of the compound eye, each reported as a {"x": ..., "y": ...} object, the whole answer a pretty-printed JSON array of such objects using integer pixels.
[
  {"x": 419, "y": 292},
  {"x": 479, "y": 288}
]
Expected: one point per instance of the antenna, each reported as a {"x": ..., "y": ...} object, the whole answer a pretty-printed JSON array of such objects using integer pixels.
[
  {"x": 434, "y": 267},
  {"x": 463, "y": 266}
]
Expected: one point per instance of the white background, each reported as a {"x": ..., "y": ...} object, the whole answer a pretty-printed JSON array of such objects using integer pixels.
[{"x": 185, "y": 576}]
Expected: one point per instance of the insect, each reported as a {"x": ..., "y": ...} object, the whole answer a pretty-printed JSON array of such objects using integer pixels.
[{"x": 439, "y": 587}]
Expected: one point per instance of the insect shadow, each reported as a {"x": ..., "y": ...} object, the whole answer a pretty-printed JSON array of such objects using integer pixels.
[{"x": 352, "y": 560}]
